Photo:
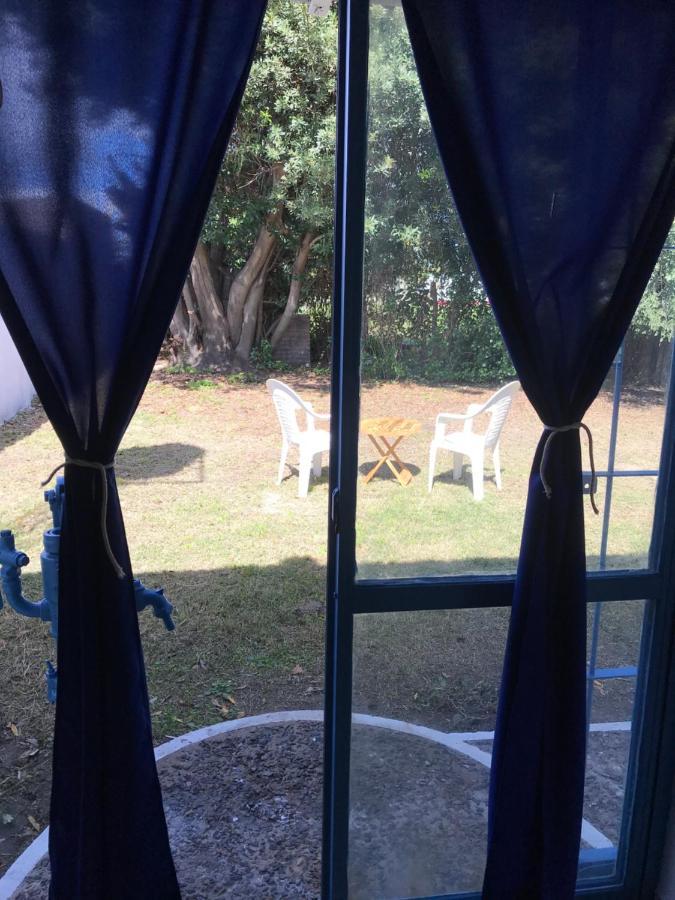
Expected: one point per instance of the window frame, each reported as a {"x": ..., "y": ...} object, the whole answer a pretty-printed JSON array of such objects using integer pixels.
[{"x": 651, "y": 766}]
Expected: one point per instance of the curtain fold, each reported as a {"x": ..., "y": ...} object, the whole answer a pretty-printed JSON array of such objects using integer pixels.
[
  {"x": 555, "y": 123},
  {"x": 113, "y": 122}
]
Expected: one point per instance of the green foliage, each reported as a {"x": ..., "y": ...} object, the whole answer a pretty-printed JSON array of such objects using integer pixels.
[
  {"x": 262, "y": 356},
  {"x": 180, "y": 369},
  {"x": 201, "y": 384},
  {"x": 656, "y": 312},
  {"x": 282, "y": 149},
  {"x": 426, "y": 312},
  {"x": 236, "y": 378},
  {"x": 263, "y": 359},
  {"x": 475, "y": 354}
]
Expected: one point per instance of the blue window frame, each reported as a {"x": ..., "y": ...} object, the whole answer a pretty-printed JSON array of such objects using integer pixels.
[{"x": 652, "y": 765}]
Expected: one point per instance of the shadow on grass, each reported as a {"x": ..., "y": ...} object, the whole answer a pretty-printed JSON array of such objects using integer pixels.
[
  {"x": 22, "y": 425},
  {"x": 384, "y": 473},
  {"x": 159, "y": 461},
  {"x": 478, "y": 565},
  {"x": 465, "y": 480},
  {"x": 250, "y": 639},
  {"x": 292, "y": 471},
  {"x": 256, "y": 633}
]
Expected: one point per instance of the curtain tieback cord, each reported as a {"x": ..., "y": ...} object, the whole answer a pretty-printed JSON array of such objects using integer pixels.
[
  {"x": 558, "y": 429},
  {"x": 102, "y": 468}
]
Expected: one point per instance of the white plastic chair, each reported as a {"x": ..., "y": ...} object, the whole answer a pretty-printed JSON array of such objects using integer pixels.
[
  {"x": 470, "y": 443},
  {"x": 311, "y": 442}
]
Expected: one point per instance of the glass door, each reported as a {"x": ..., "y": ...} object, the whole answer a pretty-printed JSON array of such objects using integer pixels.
[{"x": 424, "y": 542}]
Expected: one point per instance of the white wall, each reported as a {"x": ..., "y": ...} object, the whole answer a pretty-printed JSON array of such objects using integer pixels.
[{"x": 16, "y": 391}]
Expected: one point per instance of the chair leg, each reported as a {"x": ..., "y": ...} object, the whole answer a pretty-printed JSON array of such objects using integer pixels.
[
  {"x": 498, "y": 469},
  {"x": 432, "y": 465},
  {"x": 457, "y": 465},
  {"x": 477, "y": 475},
  {"x": 282, "y": 462},
  {"x": 305, "y": 469},
  {"x": 316, "y": 465}
]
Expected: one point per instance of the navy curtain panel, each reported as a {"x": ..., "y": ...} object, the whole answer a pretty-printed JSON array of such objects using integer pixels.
[
  {"x": 555, "y": 122},
  {"x": 113, "y": 123}
]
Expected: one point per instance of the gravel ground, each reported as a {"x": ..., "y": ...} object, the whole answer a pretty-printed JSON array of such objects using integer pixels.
[{"x": 244, "y": 814}]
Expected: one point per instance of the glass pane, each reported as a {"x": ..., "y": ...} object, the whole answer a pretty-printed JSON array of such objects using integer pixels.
[
  {"x": 424, "y": 700},
  {"x": 425, "y": 694},
  {"x": 629, "y": 526},
  {"x": 210, "y": 517},
  {"x": 430, "y": 345},
  {"x": 627, "y": 420},
  {"x": 614, "y": 635}
]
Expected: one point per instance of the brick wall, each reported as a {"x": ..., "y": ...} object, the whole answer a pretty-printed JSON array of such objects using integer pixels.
[{"x": 293, "y": 348}]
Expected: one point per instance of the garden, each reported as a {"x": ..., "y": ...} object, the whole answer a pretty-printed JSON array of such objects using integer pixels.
[{"x": 243, "y": 559}]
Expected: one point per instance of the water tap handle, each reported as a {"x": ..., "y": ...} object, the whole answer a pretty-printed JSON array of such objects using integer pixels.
[{"x": 9, "y": 555}]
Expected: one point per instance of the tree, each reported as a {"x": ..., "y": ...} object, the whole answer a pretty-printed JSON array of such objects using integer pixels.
[
  {"x": 266, "y": 244},
  {"x": 427, "y": 313},
  {"x": 656, "y": 313},
  {"x": 272, "y": 206}
]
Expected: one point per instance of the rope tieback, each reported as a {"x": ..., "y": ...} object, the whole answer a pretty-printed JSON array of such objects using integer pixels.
[
  {"x": 102, "y": 468},
  {"x": 558, "y": 429}
]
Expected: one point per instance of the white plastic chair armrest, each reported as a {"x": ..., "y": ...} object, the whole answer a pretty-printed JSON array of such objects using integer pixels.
[
  {"x": 311, "y": 416},
  {"x": 443, "y": 419},
  {"x": 472, "y": 411},
  {"x": 451, "y": 417}
]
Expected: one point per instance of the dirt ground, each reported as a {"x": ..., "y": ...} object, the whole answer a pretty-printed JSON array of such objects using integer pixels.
[{"x": 249, "y": 589}]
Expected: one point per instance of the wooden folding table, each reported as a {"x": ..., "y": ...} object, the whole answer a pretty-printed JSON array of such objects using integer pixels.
[{"x": 386, "y": 433}]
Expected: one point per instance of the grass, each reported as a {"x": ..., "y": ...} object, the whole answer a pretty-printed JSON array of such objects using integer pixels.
[{"x": 244, "y": 562}]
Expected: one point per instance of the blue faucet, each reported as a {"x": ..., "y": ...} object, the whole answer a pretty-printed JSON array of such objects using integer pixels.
[{"x": 47, "y": 609}]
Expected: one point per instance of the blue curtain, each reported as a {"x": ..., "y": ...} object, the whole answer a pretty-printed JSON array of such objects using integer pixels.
[
  {"x": 113, "y": 123},
  {"x": 555, "y": 122}
]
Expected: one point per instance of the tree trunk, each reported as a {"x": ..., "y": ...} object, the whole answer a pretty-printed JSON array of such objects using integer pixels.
[
  {"x": 216, "y": 266},
  {"x": 246, "y": 277},
  {"x": 194, "y": 342},
  {"x": 180, "y": 324},
  {"x": 216, "y": 342},
  {"x": 251, "y": 312},
  {"x": 433, "y": 302},
  {"x": 299, "y": 266},
  {"x": 259, "y": 333},
  {"x": 184, "y": 329}
]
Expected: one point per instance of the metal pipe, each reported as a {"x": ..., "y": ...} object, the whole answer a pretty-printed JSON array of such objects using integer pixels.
[
  {"x": 11, "y": 562},
  {"x": 607, "y": 507}
]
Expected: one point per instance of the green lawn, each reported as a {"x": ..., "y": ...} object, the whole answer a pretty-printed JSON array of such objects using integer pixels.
[{"x": 244, "y": 562}]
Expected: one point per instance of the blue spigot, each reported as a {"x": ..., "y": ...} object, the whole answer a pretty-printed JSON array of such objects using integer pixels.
[
  {"x": 9, "y": 555},
  {"x": 160, "y": 605},
  {"x": 47, "y": 609}
]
